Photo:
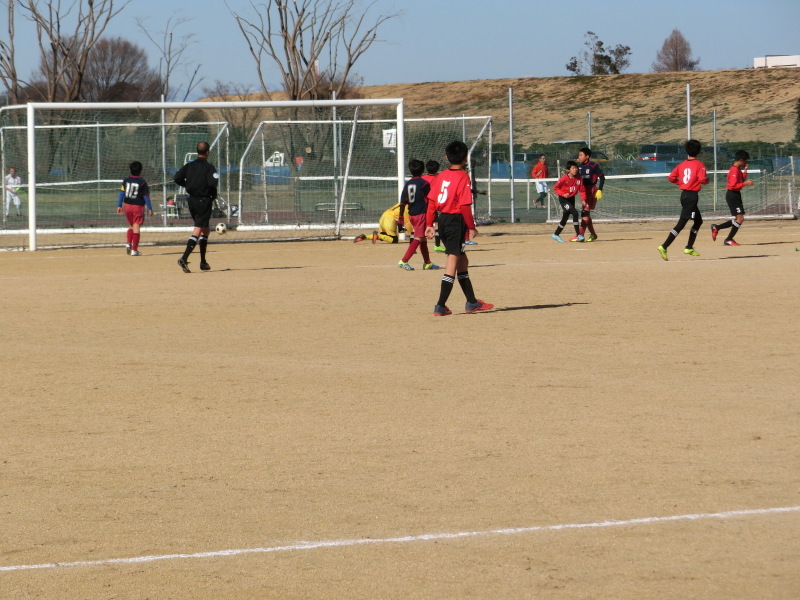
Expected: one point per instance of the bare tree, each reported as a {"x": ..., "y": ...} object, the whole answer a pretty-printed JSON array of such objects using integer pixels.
[
  {"x": 299, "y": 36},
  {"x": 8, "y": 62},
  {"x": 64, "y": 54},
  {"x": 117, "y": 71},
  {"x": 599, "y": 60},
  {"x": 173, "y": 56},
  {"x": 675, "y": 55}
]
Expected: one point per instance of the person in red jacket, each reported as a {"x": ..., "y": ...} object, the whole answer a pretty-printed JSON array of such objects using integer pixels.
[
  {"x": 566, "y": 189},
  {"x": 737, "y": 179},
  {"x": 689, "y": 176},
  {"x": 539, "y": 171},
  {"x": 451, "y": 196}
]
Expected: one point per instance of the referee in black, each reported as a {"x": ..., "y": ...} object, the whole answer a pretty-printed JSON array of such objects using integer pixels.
[{"x": 200, "y": 179}]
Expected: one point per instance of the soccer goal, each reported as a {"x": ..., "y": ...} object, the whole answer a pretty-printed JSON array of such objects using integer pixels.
[
  {"x": 72, "y": 158},
  {"x": 341, "y": 172}
]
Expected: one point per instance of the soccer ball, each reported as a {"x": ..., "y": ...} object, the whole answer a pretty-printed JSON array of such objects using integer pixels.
[{"x": 221, "y": 228}]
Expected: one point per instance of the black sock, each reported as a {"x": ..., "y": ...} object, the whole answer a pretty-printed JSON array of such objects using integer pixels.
[
  {"x": 692, "y": 238},
  {"x": 734, "y": 230},
  {"x": 577, "y": 228},
  {"x": 466, "y": 286},
  {"x": 725, "y": 225},
  {"x": 437, "y": 241},
  {"x": 189, "y": 247},
  {"x": 203, "y": 243},
  {"x": 670, "y": 238},
  {"x": 447, "y": 287}
]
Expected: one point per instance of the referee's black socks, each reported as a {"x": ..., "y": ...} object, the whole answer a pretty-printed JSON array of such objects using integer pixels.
[{"x": 189, "y": 247}]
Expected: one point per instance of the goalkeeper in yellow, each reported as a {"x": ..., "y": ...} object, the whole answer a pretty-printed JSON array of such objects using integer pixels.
[{"x": 391, "y": 223}]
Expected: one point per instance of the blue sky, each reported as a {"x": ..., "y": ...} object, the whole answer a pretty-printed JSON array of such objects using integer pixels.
[{"x": 471, "y": 39}]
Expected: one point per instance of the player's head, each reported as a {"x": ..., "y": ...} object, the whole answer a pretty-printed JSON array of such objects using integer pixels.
[
  {"x": 570, "y": 165},
  {"x": 417, "y": 167},
  {"x": 202, "y": 148},
  {"x": 584, "y": 154},
  {"x": 12, "y": 170},
  {"x": 693, "y": 148},
  {"x": 542, "y": 158},
  {"x": 136, "y": 168},
  {"x": 432, "y": 167},
  {"x": 741, "y": 156},
  {"x": 456, "y": 152}
]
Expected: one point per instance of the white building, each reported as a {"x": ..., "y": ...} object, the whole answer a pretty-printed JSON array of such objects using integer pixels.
[{"x": 784, "y": 60}]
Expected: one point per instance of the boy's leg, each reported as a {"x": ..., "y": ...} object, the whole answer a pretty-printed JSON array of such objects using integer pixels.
[
  {"x": 412, "y": 248},
  {"x": 447, "y": 279},
  {"x": 462, "y": 266},
  {"x": 675, "y": 231},
  {"x": 698, "y": 223},
  {"x": 736, "y": 224},
  {"x": 423, "y": 249}
]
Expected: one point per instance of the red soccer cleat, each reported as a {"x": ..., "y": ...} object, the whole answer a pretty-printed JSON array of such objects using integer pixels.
[
  {"x": 478, "y": 305},
  {"x": 732, "y": 243},
  {"x": 714, "y": 232}
]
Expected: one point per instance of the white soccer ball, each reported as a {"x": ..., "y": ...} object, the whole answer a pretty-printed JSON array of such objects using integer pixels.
[{"x": 221, "y": 228}]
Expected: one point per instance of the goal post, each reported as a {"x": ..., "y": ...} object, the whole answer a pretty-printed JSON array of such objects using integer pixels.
[{"x": 34, "y": 110}]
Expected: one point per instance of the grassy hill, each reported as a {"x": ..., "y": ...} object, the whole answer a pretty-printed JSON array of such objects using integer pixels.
[{"x": 626, "y": 110}]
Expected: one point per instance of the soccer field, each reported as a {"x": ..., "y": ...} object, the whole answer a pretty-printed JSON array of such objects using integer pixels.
[{"x": 296, "y": 423}]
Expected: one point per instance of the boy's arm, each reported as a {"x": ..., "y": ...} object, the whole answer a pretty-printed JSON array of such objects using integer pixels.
[
  {"x": 673, "y": 177},
  {"x": 702, "y": 174},
  {"x": 601, "y": 177}
]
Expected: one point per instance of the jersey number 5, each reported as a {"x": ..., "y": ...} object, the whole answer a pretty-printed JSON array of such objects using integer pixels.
[{"x": 442, "y": 198}]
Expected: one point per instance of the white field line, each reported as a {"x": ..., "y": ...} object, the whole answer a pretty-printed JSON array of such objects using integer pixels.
[{"x": 345, "y": 543}]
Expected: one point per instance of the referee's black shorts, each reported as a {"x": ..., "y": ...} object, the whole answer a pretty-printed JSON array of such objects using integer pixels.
[
  {"x": 200, "y": 209},
  {"x": 453, "y": 232}
]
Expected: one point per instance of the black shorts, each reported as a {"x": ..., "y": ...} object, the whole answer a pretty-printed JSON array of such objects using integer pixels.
[
  {"x": 734, "y": 200},
  {"x": 453, "y": 232},
  {"x": 689, "y": 208},
  {"x": 200, "y": 209},
  {"x": 567, "y": 204}
]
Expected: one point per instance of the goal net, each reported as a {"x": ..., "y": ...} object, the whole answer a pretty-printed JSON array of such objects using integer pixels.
[
  {"x": 73, "y": 157},
  {"x": 341, "y": 172}
]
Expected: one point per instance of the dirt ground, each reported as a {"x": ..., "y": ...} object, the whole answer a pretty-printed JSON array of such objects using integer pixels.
[{"x": 299, "y": 415}]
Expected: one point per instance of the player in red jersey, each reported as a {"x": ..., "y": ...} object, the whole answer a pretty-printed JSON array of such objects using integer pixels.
[
  {"x": 566, "y": 188},
  {"x": 432, "y": 168},
  {"x": 737, "y": 179},
  {"x": 134, "y": 195},
  {"x": 451, "y": 196},
  {"x": 539, "y": 171},
  {"x": 593, "y": 181},
  {"x": 689, "y": 176}
]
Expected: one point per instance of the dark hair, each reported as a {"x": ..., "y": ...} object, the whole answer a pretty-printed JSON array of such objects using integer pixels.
[
  {"x": 693, "y": 148},
  {"x": 417, "y": 167},
  {"x": 571, "y": 163},
  {"x": 202, "y": 148},
  {"x": 741, "y": 155},
  {"x": 135, "y": 167},
  {"x": 586, "y": 151},
  {"x": 456, "y": 152},
  {"x": 432, "y": 166}
]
